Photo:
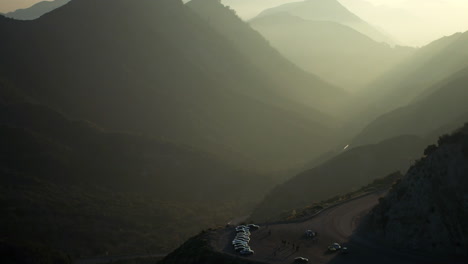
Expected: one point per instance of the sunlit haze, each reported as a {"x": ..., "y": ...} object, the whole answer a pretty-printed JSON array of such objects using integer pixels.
[
  {"x": 234, "y": 131},
  {"x": 411, "y": 22}
]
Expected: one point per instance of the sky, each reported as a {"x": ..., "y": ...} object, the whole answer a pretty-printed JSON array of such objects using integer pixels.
[
  {"x": 412, "y": 22},
  {"x": 11, "y": 5}
]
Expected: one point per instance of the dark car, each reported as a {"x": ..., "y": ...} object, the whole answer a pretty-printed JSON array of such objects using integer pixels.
[{"x": 334, "y": 247}]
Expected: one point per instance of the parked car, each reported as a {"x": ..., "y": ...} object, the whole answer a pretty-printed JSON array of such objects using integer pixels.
[
  {"x": 310, "y": 234},
  {"x": 247, "y": 252},
  {"x": 344, "y": 250},
  {"x": 334, "y": 247},
  {"x": 240, "y": 249},
  {"x": 238, "y": 241},
  {"x": 301, "y": 260},
  {"x": 253, "y": 227}
]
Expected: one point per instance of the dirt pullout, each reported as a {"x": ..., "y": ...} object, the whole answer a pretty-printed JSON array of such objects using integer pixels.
[{"x": 281, "y": 243}]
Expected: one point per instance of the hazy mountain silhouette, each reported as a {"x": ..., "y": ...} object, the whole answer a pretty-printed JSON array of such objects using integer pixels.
[
  {"x": 329, "y": 10},
  {"x": 344, "y": 173},
  {"x": 156, "y": 67},
  {"x": 444, "y": 107},
  {"x": 332, "y": 50},
  {"x": 36, "y": 10},
  {"x": 427, "y": 211},
  {"x": 413, "y": 77},
  {"x": 303, "y": 88}
]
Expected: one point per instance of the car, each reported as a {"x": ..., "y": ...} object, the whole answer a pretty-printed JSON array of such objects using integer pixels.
[
  {"x": 344, "y": 250},
  {"x": 334, "y": 247},
  {"x": 247, "y": 252},
  {"x": 236, "y": 241},
  {"x": 253, "y": 227},
  {"x": 239, "y": 243},
  {"x": 240, "y": 249},
  {"x": 301, "y": 260},
  {"x": 310, "y": 233},
  {"x": 243, "y": 236}
]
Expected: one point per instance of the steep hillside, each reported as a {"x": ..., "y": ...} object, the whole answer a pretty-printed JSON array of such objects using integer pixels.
[
  {"x": 329, "y": 10},
  {"x": 155, "y": 67},
  {"x": 198, "y": 250},
  {"x": 428, "y": 210},
  {"x": 332, "y": 50},
  {"x": 417, "y": 74},
  {"x": 77, "y": 188},
  {"x": 446, "y": 106},
  {"x": 346, "y": 172},
  {"x": 37, "y": 10},
  {"x": 303, "y": 88}
]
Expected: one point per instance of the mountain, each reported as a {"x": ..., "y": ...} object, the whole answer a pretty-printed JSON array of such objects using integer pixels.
[
  {"x": 427, "y": 211},
  {"x": 444, "y": 107},
  {"x": 332, "y": 50},
  {"x": 329, "y": 10},
  {"x": 344, "y": 173},
  {"x": 269, "y": 62},
  {"x": 70, "y": 185},
  {"x": 36, "y": 10},
  {"x": 414, "y": 76},
  {"x": 156, "y": 67}
]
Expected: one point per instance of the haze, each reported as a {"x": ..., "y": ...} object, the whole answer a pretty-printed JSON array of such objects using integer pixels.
[
  {"x": 234, "y": 131},
  {"x": 412, "y": 22}
]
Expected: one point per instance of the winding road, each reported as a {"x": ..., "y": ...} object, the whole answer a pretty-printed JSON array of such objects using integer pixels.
[{"x": 337, "y": 224}]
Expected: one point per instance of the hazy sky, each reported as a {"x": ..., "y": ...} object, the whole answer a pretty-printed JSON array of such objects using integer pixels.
[
  {"x": 11, "y": 5},
  {"x": 413, "y": 22}
]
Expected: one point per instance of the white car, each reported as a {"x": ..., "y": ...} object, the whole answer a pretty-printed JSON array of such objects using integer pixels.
[
  {"x": 247, "y": 252},
  {"x": 301, "y": 260}
]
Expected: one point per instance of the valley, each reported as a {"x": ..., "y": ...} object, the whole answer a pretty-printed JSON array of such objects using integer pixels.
[{"x": 127, "y": 127}]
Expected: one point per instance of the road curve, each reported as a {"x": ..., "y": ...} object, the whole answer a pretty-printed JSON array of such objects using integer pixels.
[{"x": 333, "y": 225}]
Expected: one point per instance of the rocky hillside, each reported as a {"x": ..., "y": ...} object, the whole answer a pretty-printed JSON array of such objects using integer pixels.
[{"x": 428, "y": 210}]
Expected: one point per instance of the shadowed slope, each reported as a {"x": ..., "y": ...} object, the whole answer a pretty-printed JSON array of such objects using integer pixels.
[{"x": 155, "y": 67}]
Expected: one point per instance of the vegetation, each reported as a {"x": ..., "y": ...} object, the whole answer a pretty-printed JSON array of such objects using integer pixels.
[
  {"x": 86, "y": 191},
  {"x": 424, "y": 211},
  {"x": 377, "y": 185},
  {"x": 346, "y": 172}
]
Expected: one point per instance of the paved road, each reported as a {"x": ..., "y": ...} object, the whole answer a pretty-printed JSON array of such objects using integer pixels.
[{"x": 334, "y": 225}]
